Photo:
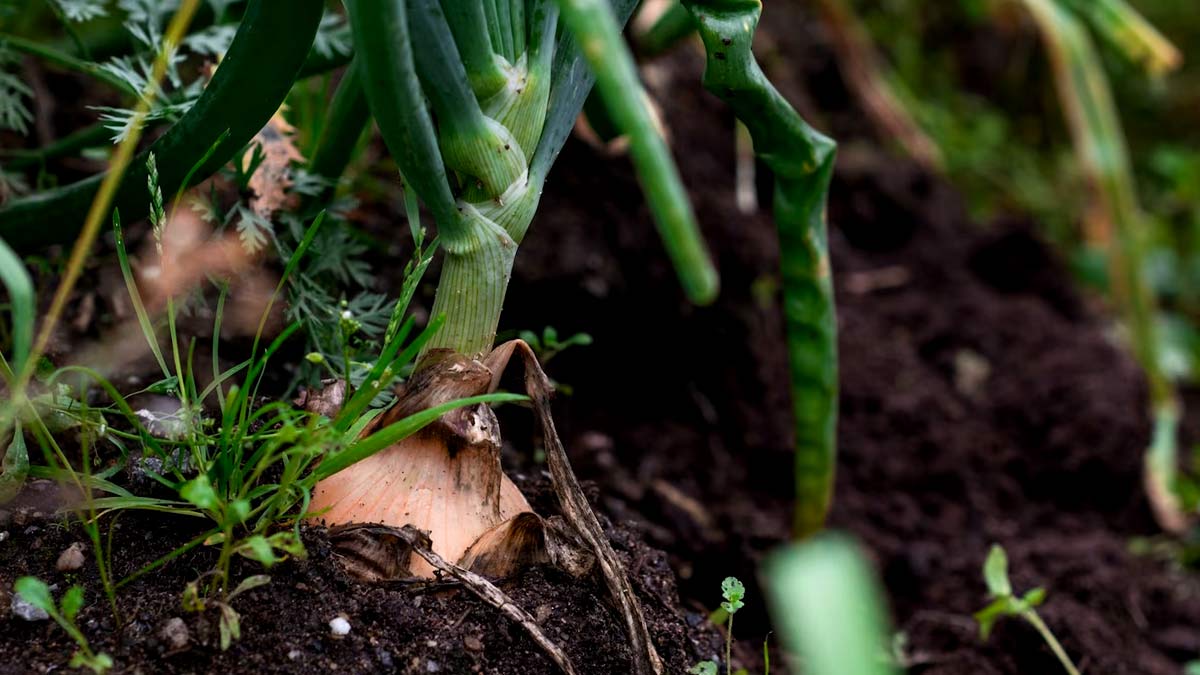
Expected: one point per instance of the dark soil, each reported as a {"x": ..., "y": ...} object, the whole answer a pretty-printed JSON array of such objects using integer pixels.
[
  {"x": 397, "y": 627},
  {"x": 983, "y": 400}
]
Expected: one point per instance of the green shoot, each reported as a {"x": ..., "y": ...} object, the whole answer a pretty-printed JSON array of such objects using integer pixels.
[
  {"x": 1005, "y": 603},
  {"x": 733, "y": 592},
  {"x": 548, "y": 345},
  {"x": 828, "y": 607},
  {"x": 37, "y": 593},
  {"x": 802, "y": 161}
]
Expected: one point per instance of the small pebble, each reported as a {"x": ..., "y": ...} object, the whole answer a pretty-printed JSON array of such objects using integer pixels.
[
  {"x": 339, "y": 626},
  {"x": 3, "y": 535},
  {"x": 431, "y": 643},
  {"x": 294, "y": 654},
  {"x": 71, "y": 559},
  {"x": 473, "y": 643},
  {"x": 174, "y": 633},
  {"x": 432, "y": 667},
  {"x": 24, "y": 610}
]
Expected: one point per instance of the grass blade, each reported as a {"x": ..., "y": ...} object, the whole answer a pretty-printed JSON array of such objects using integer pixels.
[{"x": 400, "y": 430}]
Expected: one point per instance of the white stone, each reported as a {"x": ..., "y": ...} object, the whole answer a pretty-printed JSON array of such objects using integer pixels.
[{"x": 339, "y": 626}]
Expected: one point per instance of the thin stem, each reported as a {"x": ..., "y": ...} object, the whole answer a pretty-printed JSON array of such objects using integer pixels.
[
  {"x": 1041, "y": 627},
  {"x": 729, "y": 645}
]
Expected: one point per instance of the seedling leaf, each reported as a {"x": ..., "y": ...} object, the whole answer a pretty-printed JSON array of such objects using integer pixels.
[
  {"x": 250, "y": 583},
  {"x": 35, "y": 592},
  {"x": 703, "y": 668},
  {"x": 258, "y": 548},
  {"x": 1034, "y": 598},
  {"x": 733, "y": 591},
  {"x": 230, "y": 626},
  {"x": 199, "y": 492},
  {"x": 72, "y": 602},
  {"x": 98, "y": 663},
  {"x": 995, "y": 572},
  {"x": 988, "y": 615}
]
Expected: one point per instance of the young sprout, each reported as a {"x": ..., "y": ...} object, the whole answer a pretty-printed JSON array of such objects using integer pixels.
[
  {"x": 734, "y": 592},
  {"x": 1005, "y": 603},
  {"x": 35, "y": 592}
]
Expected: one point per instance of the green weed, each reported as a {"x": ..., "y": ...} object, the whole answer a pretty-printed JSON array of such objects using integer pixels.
[
  {"x": 37, "y": 593},
  {"x": 1005, "y": 603}
]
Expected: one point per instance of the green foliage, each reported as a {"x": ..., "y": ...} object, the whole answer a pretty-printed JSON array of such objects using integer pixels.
[
  {"x": 733, "y": 591},
  {"x": 548, "y": 345},
  {"x": 37, "y": 593},
  {"x": 1005, "y": 604}
]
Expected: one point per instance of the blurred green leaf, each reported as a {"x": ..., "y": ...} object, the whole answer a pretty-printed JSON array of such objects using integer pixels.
[
  {"x": 995, "y": 572},
  {"x": 35, "y": 592},
  {"x": 828, "y": 607}
]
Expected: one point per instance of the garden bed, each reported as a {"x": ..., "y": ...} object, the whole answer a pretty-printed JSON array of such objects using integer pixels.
[{"x": 983, "y": 400}]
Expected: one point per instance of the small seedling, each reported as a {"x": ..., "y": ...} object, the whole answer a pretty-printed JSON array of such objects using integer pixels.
[
  {"x": 1005, "y": 603},
  {"x": 547, "y": 345},
  {"x": 37, "y": 593},
  {"x": 734, "y": 592}
]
